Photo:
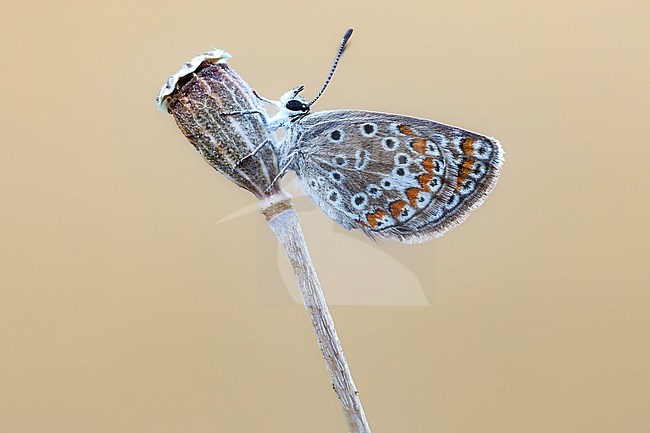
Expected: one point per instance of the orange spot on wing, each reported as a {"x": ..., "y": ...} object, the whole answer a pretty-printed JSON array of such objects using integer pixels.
[
  {"x": 424, "y": 180},
  {"x": 406, "y": 130},
  {"x": 466, "y": 167},
  {"x": 375, "y": 216},
  {"x": 419, "y": 145},
  {"x": 396, "y": 208},
  {"x": 467, "y": 146},
  {"x": 459, "y": 183},
  {"x": 412, "y": 194},
  {"x": 465, "y": 170},
  {"x": 427, "y": 164}
]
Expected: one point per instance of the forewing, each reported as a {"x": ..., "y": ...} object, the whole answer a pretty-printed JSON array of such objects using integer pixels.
[{"x": 394, "y": 176}]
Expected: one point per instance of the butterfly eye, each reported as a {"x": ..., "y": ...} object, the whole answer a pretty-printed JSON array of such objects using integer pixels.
[{"x": 296, "y": 105}]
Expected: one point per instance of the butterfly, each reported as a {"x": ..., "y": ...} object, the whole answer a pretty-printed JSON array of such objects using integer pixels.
[{"x": 390, "y": 175}]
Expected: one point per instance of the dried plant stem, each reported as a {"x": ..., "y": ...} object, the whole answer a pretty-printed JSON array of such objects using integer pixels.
[{"x": 284, "y": 223}]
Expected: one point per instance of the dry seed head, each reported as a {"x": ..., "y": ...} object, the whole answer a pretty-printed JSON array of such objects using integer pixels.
[{"x": 219, "y": 114}]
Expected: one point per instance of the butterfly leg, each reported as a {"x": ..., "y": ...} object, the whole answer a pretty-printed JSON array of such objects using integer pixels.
[
  {"x": 264, "y": 116},
  {"x": 273, "y": 123},
  {"x": 283, "y": 170},
  {"x": 239, "y": 113},
  {"x": 254, "y": 152},
  {"x": 290, "y": 94},
  {"x": 262, "y": 98}
]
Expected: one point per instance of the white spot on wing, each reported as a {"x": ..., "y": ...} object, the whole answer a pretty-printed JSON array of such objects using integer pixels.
[
  {"x": 336, "y": 135},
  {"x": 368, "y": 129},
  {"x": 359, "y": 201},
  {"x": 452, "y": 202},
  {"x": 373, "y": 191},
  {"x": 361, "y": 159},
  {"x": 390, "y": 143}
]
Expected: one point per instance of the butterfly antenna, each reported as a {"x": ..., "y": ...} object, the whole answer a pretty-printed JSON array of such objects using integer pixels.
[{"x": 346, "y": 37}]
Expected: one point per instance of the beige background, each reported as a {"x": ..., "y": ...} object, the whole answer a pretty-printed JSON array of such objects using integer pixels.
[{"x": 126, "y": 307}]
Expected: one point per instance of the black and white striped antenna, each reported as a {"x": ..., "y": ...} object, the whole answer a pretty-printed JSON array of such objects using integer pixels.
[{"x": 346, "y": 37}]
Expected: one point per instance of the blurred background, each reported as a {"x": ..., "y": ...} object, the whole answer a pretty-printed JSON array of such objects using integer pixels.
[{"x": 132, "y": 301}]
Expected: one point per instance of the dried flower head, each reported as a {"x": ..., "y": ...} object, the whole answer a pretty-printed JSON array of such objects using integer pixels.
[{"x": 220, "y": 115}]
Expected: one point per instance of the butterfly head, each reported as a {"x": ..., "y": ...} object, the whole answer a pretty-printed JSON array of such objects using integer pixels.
[{"x": 293, "y": 105}]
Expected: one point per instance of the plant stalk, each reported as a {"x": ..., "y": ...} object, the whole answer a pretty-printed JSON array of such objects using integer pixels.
[{"x": 282, "y": 218}]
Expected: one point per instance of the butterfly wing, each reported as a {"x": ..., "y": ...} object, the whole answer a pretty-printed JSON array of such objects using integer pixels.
[{"x": 394, "y": 176}]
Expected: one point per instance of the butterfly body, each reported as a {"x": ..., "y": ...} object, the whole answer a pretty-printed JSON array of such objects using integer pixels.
[{"x": 390, "y": 175}]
